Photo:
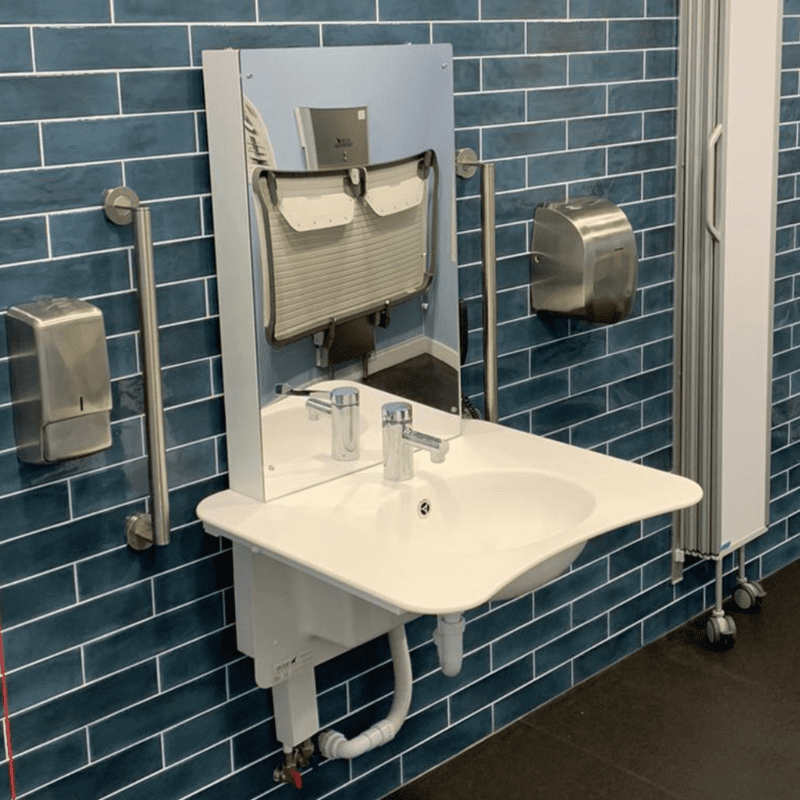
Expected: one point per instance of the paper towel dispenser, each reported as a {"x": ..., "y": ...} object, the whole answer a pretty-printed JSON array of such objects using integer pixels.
[
  {"x": 60, "y": 380},
  {"x": 583, "y": 260}
]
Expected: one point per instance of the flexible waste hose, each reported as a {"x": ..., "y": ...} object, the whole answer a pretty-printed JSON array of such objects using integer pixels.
[{"x": 333, "y": 744}]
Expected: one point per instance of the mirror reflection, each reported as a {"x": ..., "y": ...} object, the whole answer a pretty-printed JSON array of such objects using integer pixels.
[{"x": 332, "y": 186}]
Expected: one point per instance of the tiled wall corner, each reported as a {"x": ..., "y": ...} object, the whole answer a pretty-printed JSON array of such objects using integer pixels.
[{"x": 124, "y": 677}]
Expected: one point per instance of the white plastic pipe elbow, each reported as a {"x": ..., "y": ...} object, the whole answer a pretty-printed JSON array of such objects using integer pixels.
[{"x": 333, "y": 744}]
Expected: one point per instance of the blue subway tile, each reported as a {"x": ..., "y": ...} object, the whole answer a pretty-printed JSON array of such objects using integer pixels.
[
  {"x": 657, "y": 409},
  {"x": 84, "y": 705},
  {"x": 569, "y": 101},
  {"x": 661, "y": 64},
  {"x": 605, "y": 67},
  {"x": 570, "y": 166},
  {"x": 485, "y": 109},
  {"x": 173, "y": 90},
  {"x": 658, "y": 184},
  {"x": 601, "y": 600},
  {"x": 645, "y": 155},
  {"x": 108, "y": 775},
  {"x": 641, "y": 330},
  {"x": 189, "y": 341},
  {"x": 46, "y": 97},
  {"x": 606, "y": 427},
  {"x": 50, "y": 762},
  {"x": 660, "y": 124},
  {"x": 251, "y": 745},
  {"x": 642, "y": 95},
  {"x": 43, "y": 190},
  {"x": 640, "y": 34},
  {"x": 639, "y": 387},
  {"x": 646, "y": 440},
  {"x": 611, "y": 130},
  {"x": 515, "y": 140},
  {"x": 369, "y": 34},
  {"x": 15, "y": 50},
  {"x": 481, "y": 38},
  {"x": 600, "y": 371},
  {"x": 524, "y": 9},
  {"x": 639, "y": 552},
  {"x": 508, "y": 616},
  {"x": 565, "y": 589},
  {"x": 527, "y": 698},
  {"x": 49, "y": 635},
  {"x": 122, "y": 566},
  {"x": 23, "y": 11},
  {"x": 183, "y": 260},
  {"x": 509, "y": 175},
  {"x": 606, "y": 8},
  {"x": 37, "y": 508},
  {"x": 153, "y": 636},
  {"x": 193, "y": 581},
  {"x": 641, "y": 606},
  {"x": 538, "y": 391},
  {"x": 85, "y": 231},
  {"x": 201, "y": 731},
  {"x": 466, "y": 78},
  {"x": 492, "y": 687},
  {"x": 71, "y": 142},
  {"x": 658, "y": 241},
  {"x": 622, "y": 189},
  {"x": 672, "y": 616},
  {"x": 427, "y": 9},
  {"x": 446, "y": 744},
  {"x": 313, "y": 10},
  {"x": 433, "y": 687},
  {"x": 568, "y": 412},
  {"x": 250, "y": 37},
  {"x": 376, "y": 784},
  {"x": 183, "y": 11},
  {"x": 23, "y": 240},
  {"x": 188, "y": 776},
  {"x": 658, "y": 298},
  {"x": 527, "y": 638},
  {"x": 82, "y": 277},
  {"x": 117, "y": 47},
  {"x": 44, "y": 680},
  {"x": 43, "y": 594},
  {"x": 198, "y": 657},
  {"x": 60, "y": 545},
  {"x": 566, "y": 37},
  {"x": 19, "y": 146},
  {"x": 524, "y": 72},
  {"x": 566, "y": 647},
  {"x": 606, "y": 654},
  {"x": 601, "y": 546},
  {"x": 569, "y": 351},
  {"x": 662, "y": 8},
  {"x": 248, "y": 782}
]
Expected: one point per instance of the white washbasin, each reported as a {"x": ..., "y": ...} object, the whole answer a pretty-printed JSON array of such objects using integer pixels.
[{"x": 506, "y": 512}]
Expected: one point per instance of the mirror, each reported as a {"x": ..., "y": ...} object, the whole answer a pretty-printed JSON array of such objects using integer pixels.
[{"x": 327, "y": 164}]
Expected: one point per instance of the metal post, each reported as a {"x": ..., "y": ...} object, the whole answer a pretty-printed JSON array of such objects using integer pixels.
[
  {"x": 489, "y": 257},
  {"x": 122, "y": 207},
  {"x": 466, "y": 165}
]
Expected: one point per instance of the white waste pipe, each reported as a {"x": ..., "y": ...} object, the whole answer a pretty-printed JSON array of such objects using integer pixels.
[
  {"x": 449, "y": 638},
  {"x": 333, "y": 744}
]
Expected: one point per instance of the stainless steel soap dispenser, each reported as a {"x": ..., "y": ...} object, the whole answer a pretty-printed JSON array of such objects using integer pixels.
[{"x": 60, "y": 380}]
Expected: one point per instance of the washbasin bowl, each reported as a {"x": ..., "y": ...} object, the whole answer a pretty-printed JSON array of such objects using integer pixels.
[{"x": 506, "y": 512}]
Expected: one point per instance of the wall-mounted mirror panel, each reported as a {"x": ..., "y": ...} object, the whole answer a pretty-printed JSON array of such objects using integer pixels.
[{"x": 333, "y": 187}]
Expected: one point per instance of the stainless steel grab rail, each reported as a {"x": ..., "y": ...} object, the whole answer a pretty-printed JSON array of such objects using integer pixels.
[
  {"x": 466, "y": 165},
  {"x": 122, "y": 207}
]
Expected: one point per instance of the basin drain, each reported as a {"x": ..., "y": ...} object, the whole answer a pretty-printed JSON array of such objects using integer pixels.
[{"x": 424, "y": 508}]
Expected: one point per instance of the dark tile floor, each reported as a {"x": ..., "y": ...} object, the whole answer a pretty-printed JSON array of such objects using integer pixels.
[{"x": 676, "y": 719}]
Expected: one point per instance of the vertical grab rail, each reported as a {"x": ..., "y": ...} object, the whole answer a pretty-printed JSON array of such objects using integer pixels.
[
  {"x": 466, "y": 165},
  {"x": 122, "y": 207}
]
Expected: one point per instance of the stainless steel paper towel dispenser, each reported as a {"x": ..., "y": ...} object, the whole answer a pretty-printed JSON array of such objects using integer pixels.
[
  {"x": 583, "y": 260},
  {"x": 60, "y": 381}
]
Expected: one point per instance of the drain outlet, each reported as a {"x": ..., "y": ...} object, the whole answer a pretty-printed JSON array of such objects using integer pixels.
[{"x": 424, "y": 508}]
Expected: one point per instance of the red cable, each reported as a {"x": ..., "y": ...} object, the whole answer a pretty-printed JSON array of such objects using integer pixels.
[{"x": 5, "y": 718}]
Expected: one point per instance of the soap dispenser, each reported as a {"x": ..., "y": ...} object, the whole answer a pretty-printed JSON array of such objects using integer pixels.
[{"x": 60, "y": 380}]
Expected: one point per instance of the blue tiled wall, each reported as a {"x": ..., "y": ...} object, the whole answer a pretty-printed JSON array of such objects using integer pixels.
[{"x": 124, "y": 677}]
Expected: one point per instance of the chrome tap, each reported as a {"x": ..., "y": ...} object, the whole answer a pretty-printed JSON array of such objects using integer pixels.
[
  {"x": 399, "y": 439},
  {"x": 341, "y": 404}
]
